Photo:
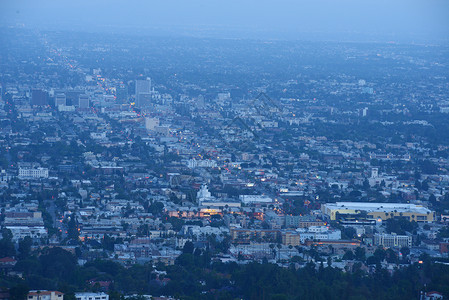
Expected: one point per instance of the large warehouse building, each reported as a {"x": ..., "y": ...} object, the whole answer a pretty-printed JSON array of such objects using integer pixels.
[{"x": 381, "y": 211}]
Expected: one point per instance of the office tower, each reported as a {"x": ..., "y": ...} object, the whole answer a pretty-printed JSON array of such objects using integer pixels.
[
  {"x": 38, "y": 97},
  {"x": 122, "y": 93},
  {"x": 143, "y": 86},
  {"x": 83, "y": 101},
  {"x": 143, "y": 93},
  {"x": 143, "y": 100},
  {"x": 60, "y": 99},
  {"x": 72, "y": 97}
]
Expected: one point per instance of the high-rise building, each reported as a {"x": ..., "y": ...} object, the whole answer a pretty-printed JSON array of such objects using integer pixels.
[
  {"x": 143, "y": 100},
  {"x": 83, "y": 101},
  {"x": 143, "y": 93},
  {"x": 73, "y": 97},
  {"x": 122, "y": 93},
  {"x": 39, "y": 97},
  {"x": 143, "y": 86},
  {"x": 60, "y": 99}
]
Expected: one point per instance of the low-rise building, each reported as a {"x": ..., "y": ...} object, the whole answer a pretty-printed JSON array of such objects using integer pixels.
[
  {"x": 382, "y": 211},
  {"x": 91, "y": 296},
  {"x": 45, "y": 295},
  {"x": 392, "y": 240},
  {"x": 291, "y": 237},
  {"x": 33, "y": 173}
]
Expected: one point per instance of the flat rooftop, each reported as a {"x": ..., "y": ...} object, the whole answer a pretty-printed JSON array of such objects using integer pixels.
[{"x": 373, "y": 206}]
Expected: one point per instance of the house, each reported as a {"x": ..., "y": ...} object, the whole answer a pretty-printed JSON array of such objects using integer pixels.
[
  {"x": 7, "y": 264},
  {"x": 431, "y": 296},
  {"x": 45, "y": 295}
]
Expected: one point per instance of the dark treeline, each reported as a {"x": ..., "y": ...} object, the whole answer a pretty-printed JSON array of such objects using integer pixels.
[{"x": 195, "y": 276}]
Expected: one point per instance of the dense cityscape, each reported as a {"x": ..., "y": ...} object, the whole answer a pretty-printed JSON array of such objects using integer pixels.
[{"x": 142, "y": 167}]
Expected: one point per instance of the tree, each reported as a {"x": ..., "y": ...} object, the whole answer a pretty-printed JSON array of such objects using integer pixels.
[
  {"x": 405, "y": 251},
  {"x": 156, "y": 208},
  {"x": 379, "y": 255},
  {"x": 349, "y": 255},
  {"x": 25, "y": 247},
  {"x": 58, "y": 263},
  {"x": 6, "y": 245},
  {"x": 19, "y": 292},
  {"x": 432, "y": 199},
  {"x": 7, "y": 234},
  {"x": 366, "y": 185},
  {"x": 391, "y": 256},
  {"x": 348, "y": 233},
  {"x": 72, "y": 230},
  {"x": 188, "y": 248},
  {"x": 400, "y": 225},
  {"x": 360, "y": 254}
]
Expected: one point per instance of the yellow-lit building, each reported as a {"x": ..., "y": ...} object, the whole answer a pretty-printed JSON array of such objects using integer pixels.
[
  {"x": 382, "y": 211},
  {"x": 290, "y": 237}
]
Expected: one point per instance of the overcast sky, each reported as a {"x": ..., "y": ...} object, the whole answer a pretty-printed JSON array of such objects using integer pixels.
[{"x": 388, "y": 19}]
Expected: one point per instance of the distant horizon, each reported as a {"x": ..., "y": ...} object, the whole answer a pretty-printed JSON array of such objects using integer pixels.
[
  {"x": 341, "y": 37},
  {"x": 413, "y": 21}
]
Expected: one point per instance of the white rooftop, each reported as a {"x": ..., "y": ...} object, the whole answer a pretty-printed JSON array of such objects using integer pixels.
[{"x": 370, "y": 206}]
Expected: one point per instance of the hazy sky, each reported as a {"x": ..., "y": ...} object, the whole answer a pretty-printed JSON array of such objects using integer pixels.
[{"x": 276, "y": 19}]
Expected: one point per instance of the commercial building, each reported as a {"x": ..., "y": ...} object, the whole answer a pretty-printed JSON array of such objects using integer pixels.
[
  {"x": 291, "y": 237},
  {"x": 382, "y": 211},
  {"x": 33, "y": 173},
  {"x": 83, "y": 101},
  {"x": 392, "y": 240},
  {"x": 203, "y": 163},
  {"x": 60, "y": 99},
  {"x": 143, "y": 100},
  {"x": 143, "y": 86},
  {"x": 151, "y": 123},
  {"x": 91, "y": 296},
  {"x": 255, "y": 199},
  {"x": 245, "y": 235},
  {"x": 38, "y": 97},
  {"x": 143, "y": 93},
  {"x": 302, "y": 221},
  {"x": 318, "y": 233}
]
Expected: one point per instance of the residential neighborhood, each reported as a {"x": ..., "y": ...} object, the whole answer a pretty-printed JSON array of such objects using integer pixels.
[{"x": 119, "y": 170}]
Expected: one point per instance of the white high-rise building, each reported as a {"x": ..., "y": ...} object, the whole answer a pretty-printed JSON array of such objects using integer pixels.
[
  {"x": 143, "y": 86},
  {"x": 143, "y": 100},
  {"x": 143, "y": 92}
]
